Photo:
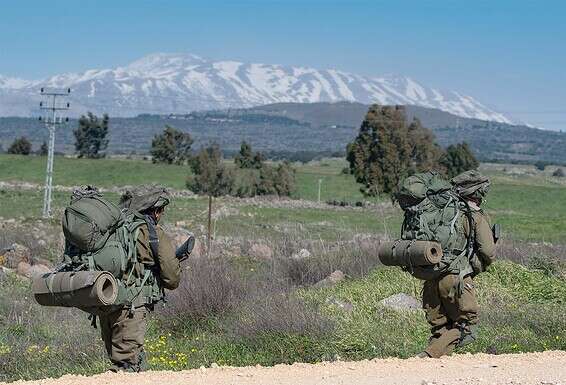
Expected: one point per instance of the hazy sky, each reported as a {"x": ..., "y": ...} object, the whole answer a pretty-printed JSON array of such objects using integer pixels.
[{"x": 510, "y": 55}]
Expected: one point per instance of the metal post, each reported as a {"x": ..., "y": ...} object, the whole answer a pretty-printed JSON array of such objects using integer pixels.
[
  {"x": 209, "y": 236},
  {"x": 49, "y": 174},
  {"x": 51, "y": 122},
  {"x": 319, "y": 187}
]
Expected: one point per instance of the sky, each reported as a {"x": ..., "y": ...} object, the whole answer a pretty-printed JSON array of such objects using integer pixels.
[{"x": 508, "y": 54}]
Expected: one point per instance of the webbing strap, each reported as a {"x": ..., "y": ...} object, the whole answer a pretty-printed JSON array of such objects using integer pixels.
[{"x": 153, "y": 239}]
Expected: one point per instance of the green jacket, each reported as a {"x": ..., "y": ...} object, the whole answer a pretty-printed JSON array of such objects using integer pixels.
[{"x": 166, "y": 263}]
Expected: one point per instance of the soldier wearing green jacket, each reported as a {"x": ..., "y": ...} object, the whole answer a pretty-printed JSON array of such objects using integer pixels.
[
  {"x": 123, "y": 330},
  {"x": 453, "y": 314}
]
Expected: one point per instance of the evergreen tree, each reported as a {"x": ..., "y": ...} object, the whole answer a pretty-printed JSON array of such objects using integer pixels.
[
  {"x": 210, "y": 175},
  {"x": 425, "y": 152},
  {"x": 380, "y": 156},
  {"x": 246, "y": 158},
  {"x": 90, "y": 136},
  {"x": 457, "y": 159},
  {"x": 43, "y": 150},
  {"x": 20, "y": 146},
  {"x": 171, "y": 146}
]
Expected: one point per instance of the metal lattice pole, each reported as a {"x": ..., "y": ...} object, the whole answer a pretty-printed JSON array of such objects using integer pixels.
[{"x": 51, "y": 121}]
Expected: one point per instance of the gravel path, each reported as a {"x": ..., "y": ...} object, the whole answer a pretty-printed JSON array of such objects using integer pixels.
[{"x": 533, "y": 368}]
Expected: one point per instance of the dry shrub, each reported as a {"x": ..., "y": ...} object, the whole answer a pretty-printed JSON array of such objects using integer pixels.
[
  {"x": 355, "y": 259},
  {"x": 209, "y": 288},
  {"x": 277, "y": 313},
  {"x": 549, "y": 258}
]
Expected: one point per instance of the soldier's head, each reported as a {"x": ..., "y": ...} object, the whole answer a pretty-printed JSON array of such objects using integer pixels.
[
  {"x": 472, "y": 186},
  {"x": 147, "y": 200}
]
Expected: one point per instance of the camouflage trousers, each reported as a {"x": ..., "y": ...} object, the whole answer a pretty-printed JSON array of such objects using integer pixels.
[
  {"x": 452, "y": 316},
  {"x": 123, "y": 333}
]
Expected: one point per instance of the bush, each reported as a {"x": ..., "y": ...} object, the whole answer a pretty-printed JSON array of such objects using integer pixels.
[
  {"x": 558, "y": 173},
  {"x": 20, "y": 146},
  {"x": 540, "y": 165},
  {"x": 457, "y": 159}
]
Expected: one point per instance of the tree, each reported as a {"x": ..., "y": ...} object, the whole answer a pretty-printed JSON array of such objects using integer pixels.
[
  {"x": 246, "y": 158},
  {"x": 425, "y": 152},
  {"x": 171, "y": 146},
  {"x": 43, "y": 150},
  {"x": 457, "y": 159},
  {"x": 387, "y": 149},
  {"x": 210, "y": 177},
  {"x": 90, "y": 136},
  {"x": 540, "y": 165},
  {"x": 20, "y": 146}
]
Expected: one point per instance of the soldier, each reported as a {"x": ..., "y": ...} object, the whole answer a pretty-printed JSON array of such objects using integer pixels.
[
  {"x": 123, "y": 330},
  {"x": 451, "y": 313}
]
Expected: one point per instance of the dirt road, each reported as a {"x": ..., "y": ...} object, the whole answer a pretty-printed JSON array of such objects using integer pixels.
[{"x": 536, "y": 368}]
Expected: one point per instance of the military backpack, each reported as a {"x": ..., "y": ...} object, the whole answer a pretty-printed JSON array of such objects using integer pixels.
[
  {"x": 434, "y": 212},
  {"x": 101, "y": 237}
]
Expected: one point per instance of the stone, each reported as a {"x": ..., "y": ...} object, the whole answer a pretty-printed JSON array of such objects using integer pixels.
[
  {"x": 301, "y": 254},
  {"x": 23, "y": 268},
  {"x": 15, "y": 254},
  {"x": 260, "y": 251},
  {"x": 331, "y": 280},
  {"x": 401, "y": 302}
]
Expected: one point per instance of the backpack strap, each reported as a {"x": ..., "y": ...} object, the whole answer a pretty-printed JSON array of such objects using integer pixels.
[{"x": 153, "y": 239}]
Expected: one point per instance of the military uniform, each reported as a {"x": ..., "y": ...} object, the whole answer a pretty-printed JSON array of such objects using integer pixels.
[
  {"x": 453, "y": 314},
  {"x": 123, "y": 330}
]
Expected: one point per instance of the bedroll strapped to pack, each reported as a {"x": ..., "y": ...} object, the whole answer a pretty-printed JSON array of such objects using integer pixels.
[
  {"x": 99, "y": 238},
  {"x": 434, "y": 212}
]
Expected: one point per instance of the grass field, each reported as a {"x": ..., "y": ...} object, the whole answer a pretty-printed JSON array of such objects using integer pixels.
[
  {"x": 246, "y": 311},
  {"x": 528, "y": 205}
]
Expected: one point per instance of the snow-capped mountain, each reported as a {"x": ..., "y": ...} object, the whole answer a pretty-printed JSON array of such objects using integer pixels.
[{"x": 181, "y": 83}]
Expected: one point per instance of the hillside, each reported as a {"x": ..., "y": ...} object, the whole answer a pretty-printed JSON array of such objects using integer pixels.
[{"x": 294, "y": 127}]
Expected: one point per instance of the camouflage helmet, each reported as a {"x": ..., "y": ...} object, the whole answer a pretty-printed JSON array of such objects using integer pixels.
[
  {"x": 471, "y": 184},
  {"x": 145, "y": 197}
]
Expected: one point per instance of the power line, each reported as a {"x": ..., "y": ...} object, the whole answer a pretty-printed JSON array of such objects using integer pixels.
[{"x": 52, "y": 119}]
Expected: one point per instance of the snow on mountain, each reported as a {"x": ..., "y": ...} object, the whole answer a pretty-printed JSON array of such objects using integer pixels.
[{"x": 180, "y": 83}]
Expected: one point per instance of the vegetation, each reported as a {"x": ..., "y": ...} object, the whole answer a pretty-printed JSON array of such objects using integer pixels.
[
  {"x": 90, "y": 136},
  {"x": 246, "y": 158},
  {"x": 43, "y": 150},
  {"x": 236, "y": 309},
  {"x": 244, "y": 312},
  {"x": 279, "y": 132},
  {"x": 20, "y": 146},
  {"x": 457, "y": 159},
  {"x": 387, "y": 149},
  {"x": 171, "y": 146}
]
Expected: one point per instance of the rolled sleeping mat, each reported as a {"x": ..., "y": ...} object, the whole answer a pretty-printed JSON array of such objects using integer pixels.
[
  {"x": 76, "y": 289},
  {"x": 409, "y": 253}
]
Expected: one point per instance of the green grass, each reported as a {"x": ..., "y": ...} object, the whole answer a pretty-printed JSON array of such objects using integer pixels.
[
  {"x": 522, "y": 310},
  {"x": 99, "y": 172},
  {"x": 530, "y": 207}
]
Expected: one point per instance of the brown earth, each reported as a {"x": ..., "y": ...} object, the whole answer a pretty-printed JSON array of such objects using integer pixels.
[{"x": 511, "y": 369}]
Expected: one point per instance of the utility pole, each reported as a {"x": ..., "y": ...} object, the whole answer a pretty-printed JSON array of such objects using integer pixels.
[{"x": 52, "y": 119}]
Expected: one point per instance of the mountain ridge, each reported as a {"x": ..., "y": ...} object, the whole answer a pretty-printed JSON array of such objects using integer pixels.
[{"x": 180, "y": 83}]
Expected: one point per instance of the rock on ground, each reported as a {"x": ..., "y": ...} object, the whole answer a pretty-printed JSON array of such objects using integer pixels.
[
  {"x": 401, "y": 302},
  {"x": 331, "y": 280},
  {"x": 260, "y": 251},
  {"x": 301, "y": 254}
]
